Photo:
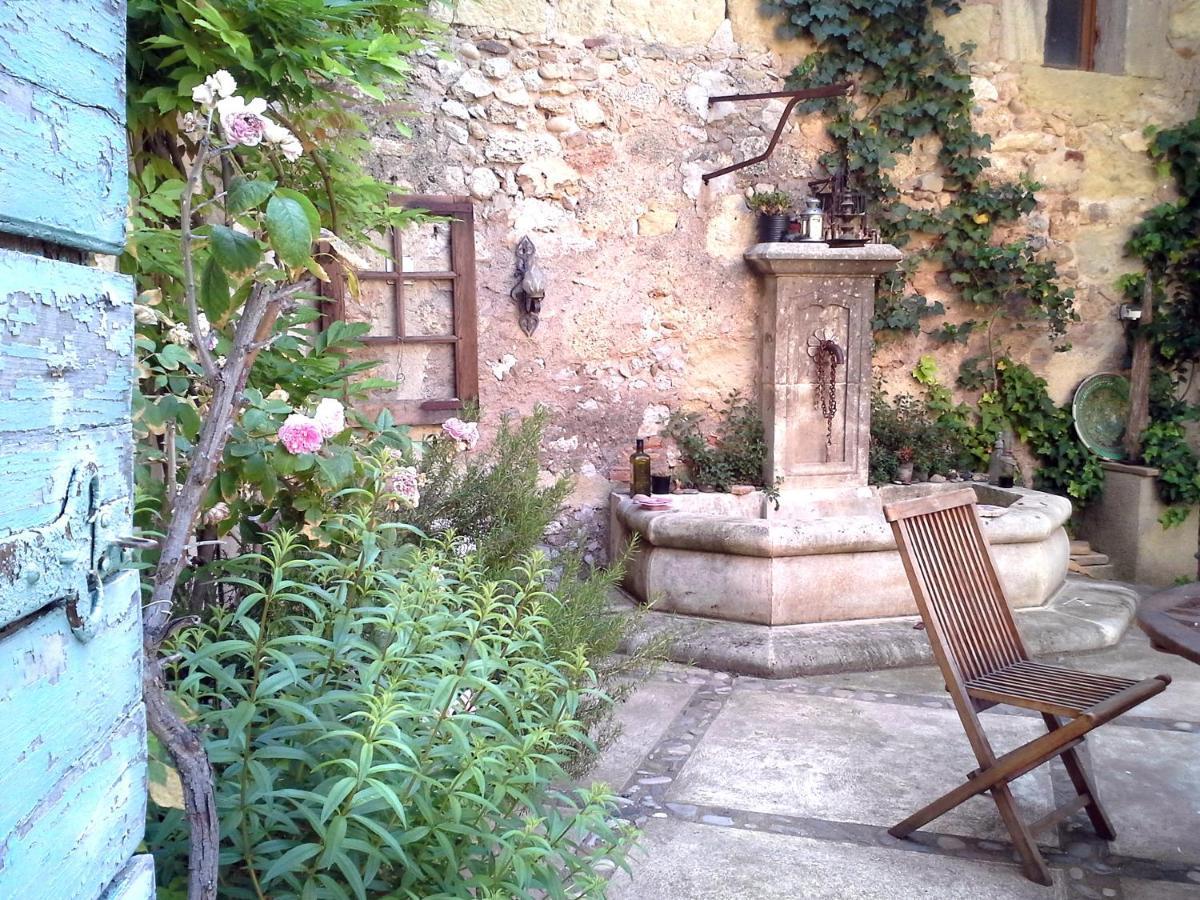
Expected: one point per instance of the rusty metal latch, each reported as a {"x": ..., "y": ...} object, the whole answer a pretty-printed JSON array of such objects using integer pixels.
[{"x": 65, "y": 561}]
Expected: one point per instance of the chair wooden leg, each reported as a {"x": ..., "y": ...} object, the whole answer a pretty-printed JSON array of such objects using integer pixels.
[
  {"x": 1032, "y": 863},
  {"x": 1084, "y": 784}
]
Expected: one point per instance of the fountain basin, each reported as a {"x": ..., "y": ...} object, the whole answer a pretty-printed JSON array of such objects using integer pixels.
[{"x": 825, "y": 556}]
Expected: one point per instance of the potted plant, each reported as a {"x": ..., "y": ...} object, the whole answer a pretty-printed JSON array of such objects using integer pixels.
[
  {"x": 772, "y": 208},
  {"x": 905, "y": 457}
]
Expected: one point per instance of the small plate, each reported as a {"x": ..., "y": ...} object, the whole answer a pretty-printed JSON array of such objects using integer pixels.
[{"x": 1100, "y": 409}]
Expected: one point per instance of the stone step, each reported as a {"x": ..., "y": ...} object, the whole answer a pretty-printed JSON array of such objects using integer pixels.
[
  {"x": 1106, "y": 572},
  {"x": 1080, "y": 547},
  {"x": 1089, "y": 559}
]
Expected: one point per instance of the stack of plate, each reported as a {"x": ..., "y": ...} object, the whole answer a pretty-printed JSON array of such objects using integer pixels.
[{"x": 658, "y": 501}]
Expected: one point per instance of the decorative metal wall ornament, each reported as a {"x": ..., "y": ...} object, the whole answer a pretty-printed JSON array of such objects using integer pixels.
[
  {"x": 826, "y": 353},
  {"x": 530, "y": 288}
]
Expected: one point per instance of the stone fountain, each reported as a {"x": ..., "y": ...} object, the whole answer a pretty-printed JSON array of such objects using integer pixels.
[{"x": 825, "y": 554}]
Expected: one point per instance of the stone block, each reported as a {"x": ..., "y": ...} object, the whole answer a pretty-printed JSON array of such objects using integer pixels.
[
  {"x": 1083, "y": 97},
  {"x": 828, "y": 757},
  {"x": 754, "y": 30},
  {"x": 1123, "y": 523},
  {"x": 523, "y": 16},
  {"x": 676, "y": 23},
  {"x": 657, "y": 221},
  {"x": 702, "y": 862},
  {"x": 971, "y": 25},
  {"x": 1184, "y": 28},
  {"x": 1023, "y": 30}
]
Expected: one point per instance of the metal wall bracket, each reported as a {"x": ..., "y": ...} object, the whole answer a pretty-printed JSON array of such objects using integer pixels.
[{"x": 843, "y": 88}]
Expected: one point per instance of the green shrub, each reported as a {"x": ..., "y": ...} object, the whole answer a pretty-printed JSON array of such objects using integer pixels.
[
  {"x": 735, "y": 455},
  {"x": 491, "y": 497},
  {"x": 495, "y": 504},
  {"x": 388, "y": 721},
  {"x": 909, "y": 425}
]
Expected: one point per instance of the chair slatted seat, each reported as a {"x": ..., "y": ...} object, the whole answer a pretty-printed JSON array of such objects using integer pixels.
[{"x": 984, "y": 663}]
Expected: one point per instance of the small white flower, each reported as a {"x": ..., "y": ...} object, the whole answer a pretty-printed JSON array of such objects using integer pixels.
[
  {"x": 179, "y": 334},
  {"x": 216, "y": 86},
  {"x": 223, "y": 83},
  {"x": 289, "y": 145},
  {"x": 217, "y": 513},
  {"x": 279, "y": 394},
  {"x": 463, "y": 547}
]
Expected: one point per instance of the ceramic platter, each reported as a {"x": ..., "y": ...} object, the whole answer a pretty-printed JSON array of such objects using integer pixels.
[{"x": 1100, "y": 407}]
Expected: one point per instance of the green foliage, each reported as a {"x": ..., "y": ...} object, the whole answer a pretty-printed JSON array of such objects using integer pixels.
[
  {"x": 391, "y": 722},
  {"x": 493, "y": 505},
  {"x": 260, "y": 484},
  {"x": 309, "y": 57},
  {"x": 909, "y": 430},
  {"x": 1165, "y": 446},
  {"x": 1167, "y": 243},
  {"x": 1015, "y": 401},
  {"x": 769, "y": 202},
  {"x": 912, "y": 86},
  {"x": 494, "y": 497},
  {"x": 736, "y": 454}
]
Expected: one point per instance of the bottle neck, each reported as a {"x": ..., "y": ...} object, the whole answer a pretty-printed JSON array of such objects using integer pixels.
[{"x": 641, "y": 445}]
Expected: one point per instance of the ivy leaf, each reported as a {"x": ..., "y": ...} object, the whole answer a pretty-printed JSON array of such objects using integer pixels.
[
  {"x": 245, "y": 194},
  {"x": 236, "y": 252},
  {"x": 290, "y": 230}
]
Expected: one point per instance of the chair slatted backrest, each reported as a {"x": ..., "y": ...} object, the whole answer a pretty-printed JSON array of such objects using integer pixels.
[{"x": 954, "y": 581}]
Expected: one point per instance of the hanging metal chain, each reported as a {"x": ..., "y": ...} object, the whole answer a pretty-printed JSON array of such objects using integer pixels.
[{"x": 828, "y": 356}]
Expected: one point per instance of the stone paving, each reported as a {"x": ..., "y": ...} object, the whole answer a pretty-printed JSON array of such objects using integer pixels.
[{"x": 752, "y": 788}]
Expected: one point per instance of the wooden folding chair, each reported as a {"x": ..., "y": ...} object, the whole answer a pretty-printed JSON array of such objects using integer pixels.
[{"x": 984, "y": 662}]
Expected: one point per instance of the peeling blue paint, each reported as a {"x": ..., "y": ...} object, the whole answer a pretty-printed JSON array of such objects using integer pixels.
[{"x": 62, "y": 109}]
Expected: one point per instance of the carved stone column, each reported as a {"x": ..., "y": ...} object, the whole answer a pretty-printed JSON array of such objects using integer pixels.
[{"x": 814, "y": 291}]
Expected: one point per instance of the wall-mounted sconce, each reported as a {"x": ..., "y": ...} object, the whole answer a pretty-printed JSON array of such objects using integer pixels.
[
  {"x": 1128, "y": 312},
  {"x": 530, "y": 287}
]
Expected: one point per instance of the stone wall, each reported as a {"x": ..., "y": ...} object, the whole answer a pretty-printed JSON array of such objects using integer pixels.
[{"x": 585, "y": 124}]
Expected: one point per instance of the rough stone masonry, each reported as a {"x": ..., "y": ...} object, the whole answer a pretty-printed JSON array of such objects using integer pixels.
[{"x": 585, "y": 124}]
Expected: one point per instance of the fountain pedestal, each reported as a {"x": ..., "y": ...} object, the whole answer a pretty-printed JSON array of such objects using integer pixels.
[{"x": 814, "y": 291}]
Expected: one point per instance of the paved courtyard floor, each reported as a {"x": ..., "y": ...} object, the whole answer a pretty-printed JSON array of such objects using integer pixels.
[{"x": 747, "y": 788}]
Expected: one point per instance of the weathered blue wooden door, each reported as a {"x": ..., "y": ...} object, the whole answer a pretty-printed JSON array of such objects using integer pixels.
[{"x": 72, "y": 724}]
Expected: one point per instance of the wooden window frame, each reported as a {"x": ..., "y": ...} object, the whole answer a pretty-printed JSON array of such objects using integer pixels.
[
  {"x": 464, "y": 334},
  {"x": 1088, "y": 39}
]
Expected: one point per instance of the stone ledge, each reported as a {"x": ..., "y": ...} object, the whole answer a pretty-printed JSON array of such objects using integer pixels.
[{"x": 1084, "y": 615}]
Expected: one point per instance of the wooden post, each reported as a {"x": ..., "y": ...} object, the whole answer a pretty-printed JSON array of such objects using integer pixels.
[{"x": 1139, "y": 378}]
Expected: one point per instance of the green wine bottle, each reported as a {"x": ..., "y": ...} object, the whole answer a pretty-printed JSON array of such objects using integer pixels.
[{"x": 639, "y": 466}]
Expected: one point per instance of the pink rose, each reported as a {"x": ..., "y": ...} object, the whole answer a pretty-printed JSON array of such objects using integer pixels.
[
  {"x": 300, "y": 434},
  {"x": 465, "y": 434},
  {"x": 243, "y": 122},
  {"x": 330, "y": 417},
  {"x": 405, "y": 484}
]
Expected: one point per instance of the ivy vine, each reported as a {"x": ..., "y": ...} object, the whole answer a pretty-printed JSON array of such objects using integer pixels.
[
  {"x": 911, "y": 85},
  {"x": 1167, "y": 243}
]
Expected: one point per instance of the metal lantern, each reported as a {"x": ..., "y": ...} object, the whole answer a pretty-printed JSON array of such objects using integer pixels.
[
  {"x": 845, "y": 209},
  {"x": 812, "y": 220}
]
